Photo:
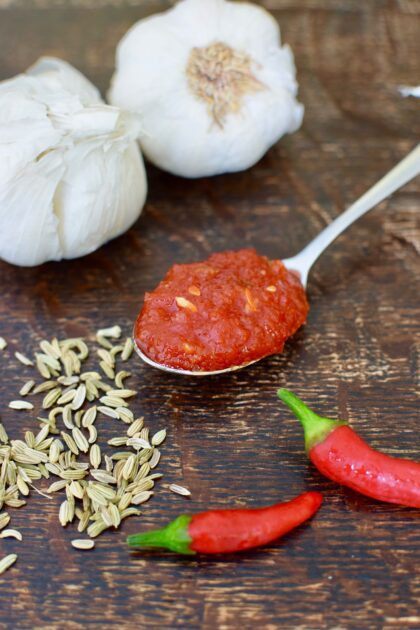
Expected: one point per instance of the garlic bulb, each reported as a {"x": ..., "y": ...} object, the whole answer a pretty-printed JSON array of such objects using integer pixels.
[
  {"x": 72, "y": 176},
  {"x": 214, "y": 87}
]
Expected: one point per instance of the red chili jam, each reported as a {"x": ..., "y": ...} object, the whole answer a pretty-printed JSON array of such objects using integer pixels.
[{"x": 228, "y": 310}]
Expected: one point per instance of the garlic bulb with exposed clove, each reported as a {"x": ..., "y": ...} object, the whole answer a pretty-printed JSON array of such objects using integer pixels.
[
  {"x": 71, "y": 176},
  {"x": 212, "y": 83}
]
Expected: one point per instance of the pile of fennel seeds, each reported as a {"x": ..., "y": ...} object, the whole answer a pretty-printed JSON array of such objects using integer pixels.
[{"x": 101, "y": 490}]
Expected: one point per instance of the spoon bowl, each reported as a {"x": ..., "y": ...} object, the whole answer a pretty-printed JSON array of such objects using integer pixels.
[
  {"x": 166, "y": 368},
  {"x": 302, "y": 263}
]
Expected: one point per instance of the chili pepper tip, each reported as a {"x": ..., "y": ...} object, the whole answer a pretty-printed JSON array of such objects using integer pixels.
[{"x": 316, "y": 428}]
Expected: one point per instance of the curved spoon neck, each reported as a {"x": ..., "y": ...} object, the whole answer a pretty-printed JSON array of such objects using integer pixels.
[
  {"x": 402, "y": 173},
  {"x": 301, "y": 263}
]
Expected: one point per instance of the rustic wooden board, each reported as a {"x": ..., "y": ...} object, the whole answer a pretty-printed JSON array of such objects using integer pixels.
[{"x": 229, "y": 440}]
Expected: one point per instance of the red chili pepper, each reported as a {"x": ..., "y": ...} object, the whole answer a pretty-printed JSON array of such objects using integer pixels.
[
  {"x": 225, "y": 531},
  {"x": 341, "y": 455}
]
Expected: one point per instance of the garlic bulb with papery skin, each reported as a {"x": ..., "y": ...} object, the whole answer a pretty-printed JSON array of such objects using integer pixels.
[
  {"x": 71, "y": 173},
  {"x": 212, "y": 83}
]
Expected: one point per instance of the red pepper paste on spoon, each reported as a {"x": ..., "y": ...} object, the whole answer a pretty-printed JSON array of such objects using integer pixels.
[{"x": 231, "y": 309}]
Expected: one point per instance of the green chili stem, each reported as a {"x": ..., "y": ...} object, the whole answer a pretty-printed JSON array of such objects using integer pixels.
[
  {"x": 174, "y": 536},
  {"x": 316, "y": 428}
]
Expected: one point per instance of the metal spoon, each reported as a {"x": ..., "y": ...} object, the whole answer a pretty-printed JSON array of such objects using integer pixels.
[{"x": 402, "y": 173}]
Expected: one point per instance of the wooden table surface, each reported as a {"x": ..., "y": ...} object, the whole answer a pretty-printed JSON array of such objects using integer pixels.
[{"x": 356, "y": 565}]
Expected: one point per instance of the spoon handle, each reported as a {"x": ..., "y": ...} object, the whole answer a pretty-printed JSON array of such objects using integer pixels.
[{"x": 405, "y": 170}]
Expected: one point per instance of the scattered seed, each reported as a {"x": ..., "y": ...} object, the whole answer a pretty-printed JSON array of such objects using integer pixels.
[
  {"x": 106, "y": 357},
  {"x": 41, "y": 435},
  {"x": 154, "y": 460},
  {"x": 93, "y": 434},
  {"x": 103, "y": 341},
  {"x": 23, "y": 359},
  {"x": 67, "y": 417},
  {"x": 49, "y": 361},
  {"x": 42, "y": 368},
  {"x": 73, "y": 475},
  {"x": 44, "y": 387},
  {"x": 3, "y": 343},
  {"x": 67, "y": 397},
  {"x": 137, "y": 443},
  {"x": 125, "y": 415},
  {"x": 144, "y": 484},
  {"x": 7, "y": 562},
  {"x": 3, "y": 434},
  {"x": 15, "y": 503},
  {"x": 159, "y": 437},
  {"x": 80, "y": 440},
  {"x": 95, "y": 455},
  {"x": 11, "y": 533},
  {"x": 128, "y": 349},
  {"x": 136, "y": 426},
  {"x": 103, "y": 476},
  {"x": 68, "y": 381},
  {"x": 50, "y": 349},
  {"x": 113, "y": 331},
  {"x": 51, "y": 398},
  {"x": 57, "y": 485},
  {"x": 79, "y": 397},
  {"x": 118, "y": 441},
  {"x": 113, "y": 401},
  {"x": 122, "y": 393},
  {"x": 129, "y": 467},
  {"x": 130, "y": 512},
  {"x": 63, "y": 513},
  {"x": 116, "y": 350},
  {"x": 115, "y": 515},
  {"x": 123, "y": 374},
  {"x": 107, "y": 370},
  {"x": 96, "y": 529},
  {"x": 70, "y": 442},
  {"x": 89, "y": 417},
  {"x": 83, "y": 521},
  {"x": 107, "y": 411},
  {"x": 4, "y": 519},
  {"x": 20, "y": 404},
  {"x": 76, "y": 489},
  {"x": 142, "y": 497},
  {"x": 24, "y": 391},
  {"x": 174, "y": 487},
  {"x": 83, "y": 543}
]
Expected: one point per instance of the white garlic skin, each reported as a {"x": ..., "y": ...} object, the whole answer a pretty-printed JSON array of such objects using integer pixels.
[
  {"x": 72, "y": 176},
  {"x": 180, "y": 135}
]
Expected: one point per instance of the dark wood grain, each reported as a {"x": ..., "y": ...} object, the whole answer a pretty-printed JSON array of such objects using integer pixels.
[{"x": 229, "y": 440}]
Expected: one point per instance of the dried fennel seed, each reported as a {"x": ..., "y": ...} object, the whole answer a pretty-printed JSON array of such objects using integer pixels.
[
  {"x": 176, "y": 489},
  {"x": 97, "y": 499},
  {"x": 23, "y": 359},
  {"x": 3, "y": 343},
  {"x": 7, "y": 562},
  {"x": 25, "y": 389},
  {"x": 20, "y": 404},
  {"x": 83, "y": 543},
  {"x": 11, "y": 533}
]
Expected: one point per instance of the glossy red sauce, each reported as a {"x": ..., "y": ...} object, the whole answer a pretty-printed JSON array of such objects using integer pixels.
[{"x": 228, "y": 310}]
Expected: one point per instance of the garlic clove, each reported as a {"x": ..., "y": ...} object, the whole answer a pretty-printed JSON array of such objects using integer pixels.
[
  {"x": 85, "y": 212},
  {"x": 54, "y": 74},
  {"x": 28, "y": 223}
]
